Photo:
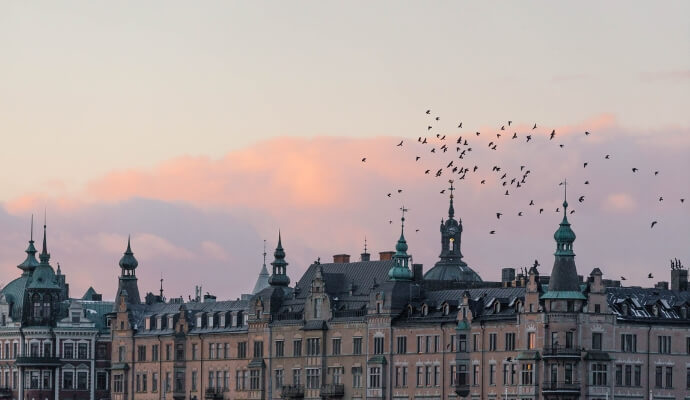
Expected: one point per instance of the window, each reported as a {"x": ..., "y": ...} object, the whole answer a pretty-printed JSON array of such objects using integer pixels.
[
  {"x": 375, "y": 377},
  {"x": 336, "y": 346},
  {"x": 317, "y": 309},
  {"x": 462, "y": 343},
  {"x": 154, "y": 352},
  {"x": 531, "y": 340},
  {"x": 280, "y": 350},
  {"x": 669, "y": 377},
  {"x": 596, "y": 340},
  {"x": 437, "y": 343},
  {"x": 297, "y": 347},
  {"x": 239, "y": 380},
  {"x": 378, "y": 345},
  {"x": 226, "y": 350},
  {"x": 242, "y": 350},
  {"x": 168, "y": 352},
  {"x": 492, "y": 342},
  {"x": 154, "y": 382},
  {"x": 427, "y": 348},
  {"x": 419, "y": 343},
  {"x": 664, "y": 344},
  {"x": 258, "y": 349},
  {"x": 628, "y": 375},
  {"x": 68, "y": 351},
  {"x": 313, "y": 346},
  {"x": 356, "y": 377},
  {"x": 437, "y": 375},
  {"x": 427, "y": 378},
  {"x": 462, "y": 375},
  {"x": 117, "y": 383},
  {"x": 513, "y": 374},
  {"x": 195, "y": 379},
  {"x": 121, "y": 353},
  {"x": 453, "y": 375},
  {"x": 658, "y": 376},
  {"x": 475, "y": 342},
  {"x": 357, "y": 345},
  {"x": 141, "y": 353},
  {"x": 313, "y": 378},
  {"x": 638, "y": 375},
  {"x": 687, "y": 378},
  {"x": 492, "y": 374},
  {"x": 101, "y": 381},
  {"x": 195, "y": 351},
  {"x": 400, "y": 376},
  {"x": 278, "y": 378},
  {"x": 68, "y": 379},
  {"x": 554, "y": 373},
  {"x": 475, "y": 375},
  {"x": 82, "y": 350},
  {"x": 597, "y": 308},
  {"x": 506, "y": 374},
  {"x": 211, "y": 379},
  {"x": 420, "y": 376},
  {"x": 402, "y": 344},
  {"x": 527, "y": 373},
  {"x": 143, "y": 382},
  {"x": 510, "y": 342},
  {"x": 336, "y": 373},
  {"x": 628, "y": 343},
  {"x": 211, "y": 351},
  {"x": 179, "y": 351},
  {"x": 255, "y": 379},
  {"x": 687, "y": 345},
  {"x": 619, "y": 375},
  {"x": 598, "y": 375},
  {"x": 569, "y": 340},
  {"x": 226, "y": 380},
  {"x": 568, "y": 373},
  {"x": 296, "y": 376}
]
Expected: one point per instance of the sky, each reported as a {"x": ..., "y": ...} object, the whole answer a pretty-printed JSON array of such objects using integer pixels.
[{"x": 202, "y": 129}]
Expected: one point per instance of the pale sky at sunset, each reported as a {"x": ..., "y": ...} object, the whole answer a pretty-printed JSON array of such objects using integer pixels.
[{"x": 203, "y": 128}]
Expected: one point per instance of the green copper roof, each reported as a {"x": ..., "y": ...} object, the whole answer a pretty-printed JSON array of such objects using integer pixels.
[
  {"x": 128, "y": 261},
  {"x": 568, "y": 295},
  {"x": 401, "y": 270},
  {"x": 564, "y": 236}
]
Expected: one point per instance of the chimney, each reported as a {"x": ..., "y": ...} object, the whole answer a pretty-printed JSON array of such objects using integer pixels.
[
  {"x": 417, "y": 270},
  {"x": 365, "y": 257},
  {"x": 209, "y": 298},
  {"x": 507, "y": 276},
  {"x": 341, "y": 258},
  {"x": 386, "y": 255},
  {"x": 661, "y": 285},
  {"x": 679, "y": 277}
]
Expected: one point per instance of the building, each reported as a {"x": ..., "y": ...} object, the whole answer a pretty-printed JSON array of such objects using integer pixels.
[
  {"x": 52, "y": 346},
  {"x": 381, "y": 329}
]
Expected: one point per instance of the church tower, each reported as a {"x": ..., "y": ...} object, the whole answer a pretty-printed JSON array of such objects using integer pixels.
[
  {"x": 127, "y": 281},
  {"x": 279, "y": 277},
  {"x": 401, "y": 267},
  {"x": 42, "y": 292}
]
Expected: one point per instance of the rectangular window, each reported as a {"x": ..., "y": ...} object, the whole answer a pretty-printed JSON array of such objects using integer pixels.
[
  {"x": 378, "y": 345},
  {"x": 356, "y": 377},
  {"x": 528, "y": 373},
  {"x": 453, "y": 381},
  {"x": 101, "y": 381},
  {"x": 255, "y": 379},
  {"x": 628, "y": 375},
  {"x": 419, "y": 344},
  {"x": 239, "y": 380},
  {"x": 242, "y": 350},
  {"x": 531, "y": 340},
  {"x": 462, "y": 343},
  {"x": 81, "y": 380},
  {"x": 374, "y": 377},
  {"x": 195, "y": 379},
  {"x": 669, "y": 377},
  {"x": 336, "y": 346},
  {"x": 154, "y": 382},
  {"x": 475, "y": 342},
  {"x": 687, "y": 378},
  {"x": 402, "y": 344},
  {"x": 154, "y": 352},
  {"x": 619, "y": 375},
  {"x": 597, "y": 308},
  {"x": 437, "y": 343},
  {"x": 211, "y": 379},
  {"x": 510, "y": 342},
  {"x": 687, "y": 345},
  {"x": 168, "y": 352},
  {"x": 167, "y": 382},
  {"x": 297, "y": 347},
  {"x": 226, "y": 380},
  {"x": 492, "y": 341},
  {"x": 664, "y": 344},
  {"x": 475, "y": 375},
  {"x": 117, "y": 383},
  {"x": 179, "y": 352},
  {"x": 280, "y": 349},
  {"x": 596, "y": 340},
  {"x": 357, "y": 345},
  {"x": 278, "y": 378},
  {"x": 437, "y": 375},
  {"x": 492, "y": 374},
  {"x": 598, "y": 376},
  {"x": 296, "y": 376},
  {"x": 68, "y": 351},
  {"x": 211, "y": 351},
  {"x": 195, "y": 351},
  {"x": 226, "y": 350},
  {"x": 143, "y": 382},
  {"x": 506, "y": 374},
  {"x": 658, "y": 381},
  {"x": 628, "y": 343},
  {"x": 313, "y": 378},
  {"x": 638, "y": 375},
  {"x": 141, "y": 353},
  {"x": 258, "y": 349},
  {"x": 420, "y": 376},
  {"x": 313, "y": 346},
  {"x": 569, "y": 340},
  {"x": 427, "y": 348}
]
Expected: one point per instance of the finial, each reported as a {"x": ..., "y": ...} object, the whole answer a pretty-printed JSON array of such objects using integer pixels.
[
  {"x": 32, "y": 227},
  {"x": 264, "y": 252},
  {"x": 161, "y": 284},
  {"x": 451, "y": 209},
  {"x": 129, "y": 247},
  {"x": 365, "y": 245},
  {"x": 402, "y": 220},
  {"x": 44, "y": 256}
]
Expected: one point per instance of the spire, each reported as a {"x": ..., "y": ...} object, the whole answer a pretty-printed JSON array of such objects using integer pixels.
[
  {"x": 451, "y": 210},
  {"x": 128, "y": 262},
  {"x": 30, "y": 263},
  {"x": 279, "y": 277},
  {"x": 401, "y": 270},
  {"x": 564, "y": 273},
  {"x": 564, "y": 236},
  {"x": 161, "y": 290},
  {"x": 365, "y": 256},
  {"x": 44, "y": 256},
  {"x": 262, "y": 280}
]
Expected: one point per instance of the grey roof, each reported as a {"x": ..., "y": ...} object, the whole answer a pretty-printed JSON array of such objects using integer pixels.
[
  {"x": 339, "y": 277},
  {"x": 633, "y": 303},
  {"x": 88, "y": 295},
  {"x": 14, "y": 293},
  {"x": 456, "y": 272},
  {"x": 96, "y": 312},
  {"x": 261, "y": 280}
]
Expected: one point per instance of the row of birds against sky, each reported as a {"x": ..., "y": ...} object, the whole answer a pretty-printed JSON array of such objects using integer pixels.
[{"x": 457, "y": 156}]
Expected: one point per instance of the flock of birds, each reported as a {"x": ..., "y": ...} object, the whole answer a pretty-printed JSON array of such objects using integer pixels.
[{"x": 465, "y": 145}]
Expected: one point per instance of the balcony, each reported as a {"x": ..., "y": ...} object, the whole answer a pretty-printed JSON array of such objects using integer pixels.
[
  {"x": 462, "y": 389},
  {"x": 557, "y": 387},
  {"x": 561, "y": 351},
  {"x": 5, "y": 392},
  {"x": 293, "y": 392},
  {"x": 180, "y": 394},
  {"x": 333, "y": 391},
  {"x": 213, "y": 393},
  {"x": 37, "y": 361}
]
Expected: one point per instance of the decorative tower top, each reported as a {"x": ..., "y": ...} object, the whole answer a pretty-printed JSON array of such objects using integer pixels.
[
  {"x": 44, "y": 256},
  {"x": 279, "y": 277},
  {"x": 30, "y": 263},
  {"x": 401, "y": 269},
  {"x": 564, "y": 235},
  {"x": 262, "y": 280},
  {"x": 128, "y": 262},
  {"x": 564, "y": 273},
  {"x": 451, "y": 210}
]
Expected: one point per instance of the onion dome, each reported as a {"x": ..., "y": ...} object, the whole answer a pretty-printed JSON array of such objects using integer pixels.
[
  {"x": 401, "y": 270},
  {"x": 128, "y": 261},
  {"x": 564, "y": 235}
]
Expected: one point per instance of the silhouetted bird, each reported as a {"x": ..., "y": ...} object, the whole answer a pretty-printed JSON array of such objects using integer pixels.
[
  {"x": 492, "y": 232},
  {"x": 364, "y": 159},
  {"x": 433, "y": 150},
  {"x": 572, "y": 211},
  {"x": 535, "y": 126},
  {"x": 515, "y": 135},
  {"x": 478, "y": 133},
  {"x": 561, "y": 145},
  {"x": 428, "y": 128},
  {"x": 531, "y": 202},
  {"x": 510, "y": 122},
  {"x": 622, "y": 278},
  {"x": 520, "y": 214},
  {"x": 427, "y": 171},
  {"x": 586, "y": 182},
  {"x": 483, "y": 181},
  {"x": 653, "y": 223},
  {"x": 424, "y": 141},
  {"x": 437, "y": 118},
  {"x": 443, "y": 191},
  {"x": 656, "y": 173},
  {"x": 650, "y": 276},
  {"x": 417, "y": 158},
  {"x": 634, "y": 170},
  {"x": 498, "y": 215},
  {"x": 661, "y": 199},
  {"x": 581, "y": 199},
  {"x": 584, "y": 165},
  {"x": 553, "y": 133},
  {"x": 400, "y": 144},
  {"x": 558, "y": 209},
  {"x": 460, "y": 126},
  {"x": 586, "y": 133},
  {"x": 428, "y": 111},
  {"x": 389, "y": 195},
  {"x": 682, "y": 200},
  {"x": 506, "y": 193},
  {"x": 399, "y": 190},
  {"x": 503, "y": 128},
  {"x": 607, "y": 156},
  {"x": 416, "y": 230},
  {"x": 529, "y": 137},
  {"x": 541, "y": 210}
]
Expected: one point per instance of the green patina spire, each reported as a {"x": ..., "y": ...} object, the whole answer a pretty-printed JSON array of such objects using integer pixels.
[
  {"x": 401, "y": 270},
  {"x": 564, "y": 236},
  {"x": 30, "y": 263},
  {"x": 279, "y": 277},
  {"x": 44, "y": 256}
]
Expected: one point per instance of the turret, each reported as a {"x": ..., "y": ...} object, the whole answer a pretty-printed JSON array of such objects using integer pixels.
[
  {"x": 401, "y": 269},
  {"x": 279, "y": 277}
]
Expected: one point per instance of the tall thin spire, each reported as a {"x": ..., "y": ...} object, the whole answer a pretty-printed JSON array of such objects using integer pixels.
[
  {"x": 44, "y": 256},
  {"x": 451, "y": 209},
  {"x": 161, "y": 291},
  {"x": 30, "y": 263},
  {"x": 32, "y": 228},
  {"x": 400, "y": 270},
  {"x": 279, "y": 277}
]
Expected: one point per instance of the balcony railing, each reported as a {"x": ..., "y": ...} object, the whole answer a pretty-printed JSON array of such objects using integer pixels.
[
  {"x": 213, "y": 393},
  {"x": 5, "y": 392},
  {"x": 288, "y": 316},
  {"x": 561, "y": 351},
  {"x": 349, "y": 313},
  {"x": 561, "y": 386},
  {"x": 333, "y": 390},
  {"x": 293, "y": 392},
  {"x": 37, "y": 361},
  {"x": 462, "y": 389}
]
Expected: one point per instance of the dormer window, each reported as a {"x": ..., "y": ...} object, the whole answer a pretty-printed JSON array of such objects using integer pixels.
[
  {"x": 683, "y": 313},
  {"x": 222, "y": 320},
  {"x": 446, "y": 309},
  {"x": 410, "y": 310},
  {"x": 497, "y": 307},
  {"x": 210, "y": 320},
  {"x": 317, "y": 308},
  {"x": 170, "y": 322},
  {"x": 159, "y": 323},
  {"x": 233, "y": 320},
  {"x": 425, "y": 310},
  {"x": 199, "y": 322},
  {"x": 147, "y": 324},
  {"x": 624, "y": 309}
]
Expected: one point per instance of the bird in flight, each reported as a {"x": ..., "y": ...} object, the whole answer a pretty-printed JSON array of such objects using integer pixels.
[
  {"x": 622, "y": 278},
  {"x": 656, "y": 173},
  {"x": 460, "y": 126},
  {"x": 586, "y": 133},
  {"x": 581, "y": 199},
  {"x": 531, "y": 202},
  {"x": 584, "y": 165},
  {"x": 586, "y": 182},
  {"x": 400, "y": 144},
  {"x": 417, "y": 158},
  {"x": 389, "y": 195},
  {"x": 364, "y": 159},
  {"x": 437, "y": 118},
  {"x": 541, "y": 210},
  {"x": 634, "y": 170},
  {"x": 399, "y": 190},
  {"x": 650, "y": 276},
  {"x": 661, "y": 199},
  {"x": 478, "y": 133},
  {"x": 510, "y": 122},
  {"x": 498, "y": 215},
  {"x": 515, "y": 135},
  {"x": 553, "y": 133},
  {"x": 529, "y": 137},
  {"x": 428, "y": 111},
  {"x": 492, "y": 232},
  {"x": 607, "y": 156},
  {"x": 520, "y": 214},
  {"x": 653, "y": 223},
  {"x": 535, "y": 126}
]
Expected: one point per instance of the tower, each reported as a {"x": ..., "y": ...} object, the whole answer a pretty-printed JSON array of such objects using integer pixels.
[
  {"x": 128, "y": 279},
  {"x": 262, "y": 280},
  {"x": 42, "y": 292},
  {"x": 279, "y": 277},
  {"x": 30, "y": 263},
  {"x": 401, "y": 268}
]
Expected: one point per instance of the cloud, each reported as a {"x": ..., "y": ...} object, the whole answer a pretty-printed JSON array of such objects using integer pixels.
[
  {"x": 201, "y": 220},
  {"x": 670, "y": 75}
]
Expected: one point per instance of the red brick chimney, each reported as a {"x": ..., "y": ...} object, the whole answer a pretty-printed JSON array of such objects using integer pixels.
[
  {"x": 341, "y": 258},
  {"x": 386, "y": 255}
]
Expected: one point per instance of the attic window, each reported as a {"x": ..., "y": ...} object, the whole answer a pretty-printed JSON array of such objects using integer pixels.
[
  {"x": 446, "y": 309},
  {"x": 425, "y": 310},
  {"x": 170, "y": 322},
  {"x": 222, "y": 320},
  {"x": 210, "y": 320},
  {"x": 199, "y": 323},
  {"x": 497, "y": 307},
  {"x": 159, "y": 323}
]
